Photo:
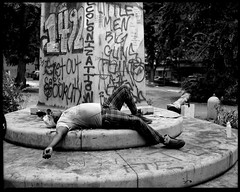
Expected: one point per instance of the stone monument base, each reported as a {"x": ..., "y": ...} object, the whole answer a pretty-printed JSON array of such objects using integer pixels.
[{"x": 29, "y": 130}]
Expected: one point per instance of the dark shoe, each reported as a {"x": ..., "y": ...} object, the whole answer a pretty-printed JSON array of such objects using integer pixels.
[
  {"x": 172, "y": 143},
  {"x": 140, "y": 115}
]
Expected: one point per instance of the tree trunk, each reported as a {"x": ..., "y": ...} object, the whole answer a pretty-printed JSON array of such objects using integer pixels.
[
  {"x": 20, "y": 79},
  {"x": 151, "y": 74}
]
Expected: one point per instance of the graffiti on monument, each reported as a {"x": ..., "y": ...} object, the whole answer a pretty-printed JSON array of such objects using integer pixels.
[
  {"x": 67, "y": 75},
  {"x": 88, "y": 51},
  {"x": 63, "y": 31},
  {"x": 71, "y": 57},
  {"x": 54, "y": 84},
  {"x": 119, "y": 61}
]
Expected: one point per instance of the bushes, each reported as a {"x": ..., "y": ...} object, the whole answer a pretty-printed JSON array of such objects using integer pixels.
[
  {"x": 231, "y": 95},
  {"x": 11, "y": 95},
  {"x": 224, "y": 115},
  {"x": 203, "y": 86},
  {"x": 198, "y": 87}
]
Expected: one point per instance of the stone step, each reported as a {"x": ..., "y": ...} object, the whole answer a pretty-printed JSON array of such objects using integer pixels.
[
  {"x": 29, "y": 130},
  {"x": 207, "y": 153},
  {"x": 228, "y": 179}
]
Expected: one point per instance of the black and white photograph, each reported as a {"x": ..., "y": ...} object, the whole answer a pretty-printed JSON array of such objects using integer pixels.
[{"x": 120, "y": 94}]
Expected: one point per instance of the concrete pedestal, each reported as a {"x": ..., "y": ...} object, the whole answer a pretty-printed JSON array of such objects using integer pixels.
[{"x": 29, "y": 130}]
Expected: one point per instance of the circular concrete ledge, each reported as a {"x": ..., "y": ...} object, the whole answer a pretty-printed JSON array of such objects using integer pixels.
[
  {"x": 207, "y": 154},
  {"x": 30, "y": 130}
]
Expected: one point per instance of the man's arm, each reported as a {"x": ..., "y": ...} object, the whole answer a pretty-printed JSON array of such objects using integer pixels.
[{"x": 61, "y": 133}]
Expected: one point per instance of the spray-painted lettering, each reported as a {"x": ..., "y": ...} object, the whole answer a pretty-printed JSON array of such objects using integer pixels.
[
  {"x": 65, "y": 32},
  {"x": 119, "y": 62},
  {"x": 90, "y": 49},
  {"x": 54, "y": 84}
]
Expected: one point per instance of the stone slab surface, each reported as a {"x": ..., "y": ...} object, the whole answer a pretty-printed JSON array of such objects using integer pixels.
[
  {"x": 30, "y": 130},
  {"x": 229, "y": 179},
  {"x": 207, "y": 154}
]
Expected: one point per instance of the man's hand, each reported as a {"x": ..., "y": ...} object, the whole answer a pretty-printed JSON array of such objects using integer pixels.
[{"x": 47, "y": 153}]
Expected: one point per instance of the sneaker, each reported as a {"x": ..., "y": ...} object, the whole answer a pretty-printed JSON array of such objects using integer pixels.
[
  {"x": 140, "y": 115},
  {"x": 172, "y": 143}
]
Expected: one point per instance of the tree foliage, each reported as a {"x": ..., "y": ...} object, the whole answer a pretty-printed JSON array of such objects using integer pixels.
[
  {"x": 205, "y": 32},
  {"x": 11, "y": 95},
  {"x": 20, "y": 30}
]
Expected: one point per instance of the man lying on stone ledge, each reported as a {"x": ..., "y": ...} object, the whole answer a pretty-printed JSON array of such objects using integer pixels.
[{"x": 107, "y": 116}]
